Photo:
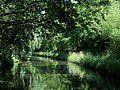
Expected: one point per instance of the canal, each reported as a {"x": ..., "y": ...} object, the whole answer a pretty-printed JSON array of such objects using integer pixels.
[{"x": 49, "y": 74}]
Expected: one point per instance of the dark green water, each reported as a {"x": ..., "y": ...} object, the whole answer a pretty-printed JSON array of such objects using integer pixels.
[{"x": 48, "y": 74}]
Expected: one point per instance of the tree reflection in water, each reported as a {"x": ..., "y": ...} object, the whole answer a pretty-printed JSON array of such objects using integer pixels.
[{"x": 53, "y": 75}]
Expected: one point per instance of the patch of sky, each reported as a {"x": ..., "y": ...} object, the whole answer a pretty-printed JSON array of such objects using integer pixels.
[
  {"x": 43, "y": 12},
  {"x": 74, "y": 1}
]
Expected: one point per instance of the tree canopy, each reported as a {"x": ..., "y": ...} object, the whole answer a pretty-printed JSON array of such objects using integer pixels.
[{"x": 57, "y": 25}]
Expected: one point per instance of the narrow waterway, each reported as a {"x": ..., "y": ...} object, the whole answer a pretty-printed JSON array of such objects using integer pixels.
[{"x": 48, "y": 74}]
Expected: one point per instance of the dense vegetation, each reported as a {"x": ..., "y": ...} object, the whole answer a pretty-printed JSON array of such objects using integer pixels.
[
  {"x": 59, "y": 26},
  {"x": 59, "y": 44}
]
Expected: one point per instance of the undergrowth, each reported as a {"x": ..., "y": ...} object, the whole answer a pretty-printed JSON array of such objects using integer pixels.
[{"x": 107, "y": 63}]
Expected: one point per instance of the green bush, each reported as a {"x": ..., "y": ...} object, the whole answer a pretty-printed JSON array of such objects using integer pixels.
[
  {"x": 106, "y": 63},
  {"x": 111, "y": 26}
]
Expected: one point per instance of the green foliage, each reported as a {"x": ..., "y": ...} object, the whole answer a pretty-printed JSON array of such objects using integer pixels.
[
  {"x": 57, "y": 26},
  {"x": 88, "y": 35},
  {"x": 106, "y": 63},
  {"x": 6, "y": 60},
  {"x": 79, "y": 29},
  {"x": 111, "y": 26},
  {"x": 19, "y": 30}
]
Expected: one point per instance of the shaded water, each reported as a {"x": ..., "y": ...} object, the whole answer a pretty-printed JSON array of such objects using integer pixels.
[{"x": 49, "y": 74}]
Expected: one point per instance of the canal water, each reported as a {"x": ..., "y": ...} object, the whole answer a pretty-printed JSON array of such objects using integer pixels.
[{"x": 50, "y": 74}]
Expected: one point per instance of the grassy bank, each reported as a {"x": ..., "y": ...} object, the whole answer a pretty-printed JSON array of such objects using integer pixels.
[{"x": 107, "y": 63}]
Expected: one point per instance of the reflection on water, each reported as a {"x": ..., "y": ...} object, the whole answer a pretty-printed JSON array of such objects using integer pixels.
[
  {"x": 48, "y": 74},
  {"x": 92, "y": 80}
]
